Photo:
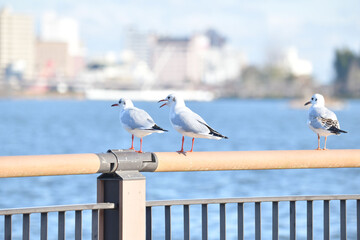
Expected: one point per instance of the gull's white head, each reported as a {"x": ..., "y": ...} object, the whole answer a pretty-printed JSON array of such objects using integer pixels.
[
  {"x": 172, "y": 100},
  {"x": 316, "y": 99},
  {"x": 123, "y": 103}
]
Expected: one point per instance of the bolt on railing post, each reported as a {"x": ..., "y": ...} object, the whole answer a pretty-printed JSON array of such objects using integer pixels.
[{"x": 127, "y": 190}]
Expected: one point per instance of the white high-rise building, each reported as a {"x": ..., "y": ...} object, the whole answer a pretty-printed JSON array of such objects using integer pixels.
[
  {"x": 295, "y": 64},
  {"x": 61, "y": 29},
  {"x": 17, "y": 45},
  {"x": 139, "y": 43},
  {"x": 223, "y": 64}
]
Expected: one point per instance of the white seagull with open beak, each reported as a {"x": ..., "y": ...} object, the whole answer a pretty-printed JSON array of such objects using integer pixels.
[
  {"x": 136, "y": 121},
  {"x": 188, "y": 123},
  {"x": 321, "y": 120}
]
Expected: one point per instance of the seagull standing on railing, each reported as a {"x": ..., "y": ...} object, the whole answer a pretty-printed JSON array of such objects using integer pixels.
[
  {"x": 321, "y": 120},
  {"x": 136, "y": 121},
  {"x": 188, "y": 123}
]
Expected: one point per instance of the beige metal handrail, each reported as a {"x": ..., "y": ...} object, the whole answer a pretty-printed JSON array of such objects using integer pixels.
[
  {"x": 256, "y": 160},
  {"x": 46, "y": 165},
  {"x": 71, "y": 164}
]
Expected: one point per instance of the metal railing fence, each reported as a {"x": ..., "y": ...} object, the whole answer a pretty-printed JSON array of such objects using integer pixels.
[
  {"x": 257, "y": 217},
  {"x": 123, "y": 213},
  {"x": 61, "y": 211}
]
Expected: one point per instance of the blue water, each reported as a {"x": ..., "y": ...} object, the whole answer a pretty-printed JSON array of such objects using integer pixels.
[{"x": 30, "y": 127}]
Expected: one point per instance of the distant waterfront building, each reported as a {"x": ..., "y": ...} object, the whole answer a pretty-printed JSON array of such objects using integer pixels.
[
  {"x": 216, "y": 40},
  {"x": 296, "y": 65},
  {"x": 196, "y": 60},
  {"x": 139, "y": 43},
  {"x": 182, "y": 61},
  {"x": 17, "y": 45},
  {"x": 223, "y": 64},
  {"x": 57, "y": 33},
  {"x": 170, "y": 61},
  {"x": 54, "y": 28},
  {"x": 52, "y": 60},
  {"x": 199, "y": 47}
]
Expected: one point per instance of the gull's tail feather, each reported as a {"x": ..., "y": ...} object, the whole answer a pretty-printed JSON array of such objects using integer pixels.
[
  {"x": 157, "y": 128},
  {"x": 213, "y": 132},
  {"x": 335, "y": 130}
]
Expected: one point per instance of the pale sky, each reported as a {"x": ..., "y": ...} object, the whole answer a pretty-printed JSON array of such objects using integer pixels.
[{"x": 314, "y": 27}]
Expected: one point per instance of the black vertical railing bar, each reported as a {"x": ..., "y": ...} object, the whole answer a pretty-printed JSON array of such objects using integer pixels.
[
  {"x": 204, "y": 221},
  {"x": 148, "y": 223},
  {"x": 168, "y": 222},
  {"x": 26, "y": 227},
  {"x": 358, "y": 219},
  {"x": 343, "y": 219},
  {"x": 8, "y": 227},
  {"x": 44, "y": 226},
  {"x": 275, "y": 220},
  {"x": 95, "y": 224},
  {"x": 309, "y": 214},
  {"x": 78, "y": 225},
  {"x": 292, "y": 220},
  {"x": 257, "y": 221},
  {"x": 326, "y": 220},
  {"x": 186, "y": 222},
  {"x": 309, "y": 221},
  {"x": 240, "y": 215},
  {"x": 61, "y": 225},
  {"x": 222, "y": 221}
]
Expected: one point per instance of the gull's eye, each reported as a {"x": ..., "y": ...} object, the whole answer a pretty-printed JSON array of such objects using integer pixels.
[
  {"x": 312, "y": 98},
  {"x": 315, "y": 99},
  {"x": 168, "y": 97},
  {"x": 120, "y": 102},
  {"x": 174, "y": 99}
]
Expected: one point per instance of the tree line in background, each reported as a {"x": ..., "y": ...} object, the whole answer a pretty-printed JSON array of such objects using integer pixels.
[
  {"x": 347, "y": 73},
  {"x": 274, "y": 81},
  {"x": 269, "y": 81}
]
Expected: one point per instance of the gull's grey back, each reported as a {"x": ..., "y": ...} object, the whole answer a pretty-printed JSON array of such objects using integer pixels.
[
  {"x": 319, "y": 116},
  {"x": 137, "y": 118},
  {"x": 322, "y": 112}
]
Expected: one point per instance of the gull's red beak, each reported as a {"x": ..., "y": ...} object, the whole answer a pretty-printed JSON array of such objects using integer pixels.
[
  {"x": 115, "y": 105},
  {"x": 163, "y": 100}
]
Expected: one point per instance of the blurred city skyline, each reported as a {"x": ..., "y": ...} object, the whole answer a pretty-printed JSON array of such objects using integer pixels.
[{"x": 255, "y": 28}]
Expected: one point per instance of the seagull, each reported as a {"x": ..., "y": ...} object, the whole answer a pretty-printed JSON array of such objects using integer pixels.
[
  {"x": 136, "y": 121},
  {"x": 321, "y": 120},
  {"x": 188, "y": 123}
]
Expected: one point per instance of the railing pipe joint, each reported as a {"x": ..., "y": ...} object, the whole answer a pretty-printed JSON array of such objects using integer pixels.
[{"x": 127, "y": 160}]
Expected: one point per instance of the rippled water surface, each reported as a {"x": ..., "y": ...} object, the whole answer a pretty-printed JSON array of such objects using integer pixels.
[{"x": 30, "y": 127}]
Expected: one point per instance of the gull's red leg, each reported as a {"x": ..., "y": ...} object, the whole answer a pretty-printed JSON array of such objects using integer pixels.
[
  {"x": 192, "y": 145},
  {"x": 182, "y": 146},
  {"x": 318, "y": 143},
  {"x": 140, "y": 146},
  {"x": 325, "y": 143},
  {"x": 132, "y": 142}
]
